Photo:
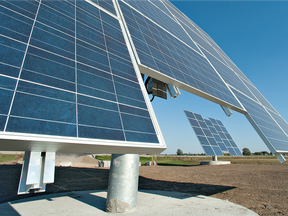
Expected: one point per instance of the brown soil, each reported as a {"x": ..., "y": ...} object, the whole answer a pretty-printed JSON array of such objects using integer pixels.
[{"x": 261, "y": 188}]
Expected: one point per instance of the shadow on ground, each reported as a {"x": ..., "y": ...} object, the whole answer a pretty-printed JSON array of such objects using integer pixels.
[
  {"x": 163, "y": 164},
  {"x": 69, "y": 179}
]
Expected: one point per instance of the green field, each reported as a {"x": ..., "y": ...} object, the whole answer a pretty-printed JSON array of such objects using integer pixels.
[
  {"x": 10, "y": 157},
  {"x": 195, "y": 160},
  {"x": 177, "y": 160}
]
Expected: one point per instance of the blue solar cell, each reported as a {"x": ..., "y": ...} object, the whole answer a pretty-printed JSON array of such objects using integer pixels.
[
  {"x": 222, "y": 147},
  {"x": 222, "y": 135},
  {"x": 203, "y": 140},
  {"x": 203, "y": 124},
  {"x": 233, "y": 144},
  {"x": 232, "y": 152},
  {"x": 213, "y": 130},
  {"x": 198, "y": 131},
  {"x": 213, "y": 121},
  {"x": 238, "y": 152},
  {"x": 189, "y": 114},
  {"x": 194, "y": 122},
  {"x": 217, "y": 150},
  {"x": 208, "y": 122},
  {"x": 224, "y": 129},
  {"x": 218, "y": 129},
  {"x": 208, "y": 150},
  {"x": 227, "y": 143},
  {"x": 32, "y": 126},
  {"x": 108, "y": 5},
  {"x": 212, "y": 141},
  {"x": 198, "y": 117},
  {"x": 207, "y": 132},
  {"x": 217, "y": 137}
]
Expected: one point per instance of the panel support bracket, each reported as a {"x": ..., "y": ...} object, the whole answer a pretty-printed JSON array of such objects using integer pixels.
[
  {"x": 173, "y": 91},
  {"x": 37, "y": 170},
  {"x": 227, "y": 111},
  {"x": 280, "y": 157}
]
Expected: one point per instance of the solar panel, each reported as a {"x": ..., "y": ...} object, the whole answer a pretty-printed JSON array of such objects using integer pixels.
[
  {"x": 68, "y": 83},
  {"x": 170, "y": 47},
  {"x": 202, "y": 130},
  {"x": 215, "y": 134}
]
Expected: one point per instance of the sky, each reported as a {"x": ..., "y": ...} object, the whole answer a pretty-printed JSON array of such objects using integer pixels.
[{"x": 254, "y": 34}]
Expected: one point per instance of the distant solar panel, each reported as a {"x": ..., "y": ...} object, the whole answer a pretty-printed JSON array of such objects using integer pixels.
[
  {"x": 226, "y": 137},
  {"x": 203, "y": 133},
  {"x": 212, "y": 135}
]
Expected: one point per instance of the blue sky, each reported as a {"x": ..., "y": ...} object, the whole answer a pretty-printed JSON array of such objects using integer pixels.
[{"x": 254, "y": 34}]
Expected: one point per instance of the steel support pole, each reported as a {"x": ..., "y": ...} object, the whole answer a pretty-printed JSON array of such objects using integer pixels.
[{"x": 123, "y": 183}]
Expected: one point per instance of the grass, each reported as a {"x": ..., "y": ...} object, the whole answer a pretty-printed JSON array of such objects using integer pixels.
[
  {"x": 10, "y": 157},
  {"x": 103, "y": 157},
  {"x": 178, "y": 160},
  {"x": 190, "y": 161},
  {"x": 108, "y": 158},
  {"x": 255, "y": 160}
]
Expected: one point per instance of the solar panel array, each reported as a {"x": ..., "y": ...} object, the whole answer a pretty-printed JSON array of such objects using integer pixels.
[
  {"x": 66, "y": 71},
  {"x": 72, "y": 69},
  {"x": 212, "y": 135},
  {"x": 172, "y": 48}
]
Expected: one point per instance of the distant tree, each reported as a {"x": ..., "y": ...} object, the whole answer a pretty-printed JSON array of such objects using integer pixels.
[
  {"x": 246, "y": 151},
  {"x": 257, "y": 153},
  {"x": 179, "y": 152}
]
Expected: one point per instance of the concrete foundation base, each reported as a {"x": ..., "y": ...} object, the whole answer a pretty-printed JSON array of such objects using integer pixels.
[
  {"x": 215, "y": 162},
  {"x": 160, "y": 203}
]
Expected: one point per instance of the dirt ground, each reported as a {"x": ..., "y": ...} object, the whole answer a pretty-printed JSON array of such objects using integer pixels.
[{"x": 261, "y": 188}]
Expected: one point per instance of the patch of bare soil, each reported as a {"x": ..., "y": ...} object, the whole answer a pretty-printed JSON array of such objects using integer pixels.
[{"x": 261, "y": 188}]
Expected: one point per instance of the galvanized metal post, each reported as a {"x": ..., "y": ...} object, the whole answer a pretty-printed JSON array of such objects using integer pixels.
[{"x": 123, "y": 183}]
